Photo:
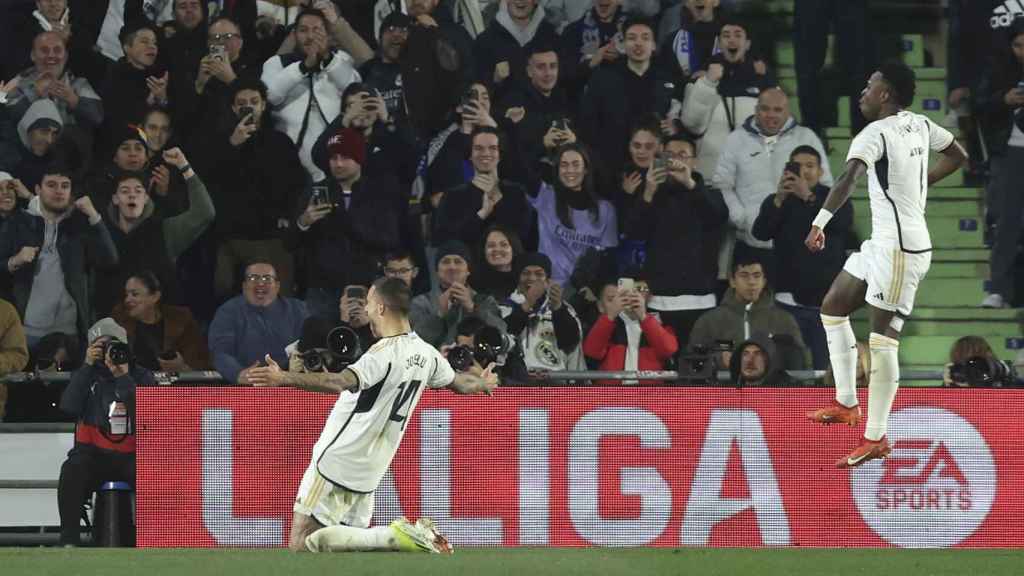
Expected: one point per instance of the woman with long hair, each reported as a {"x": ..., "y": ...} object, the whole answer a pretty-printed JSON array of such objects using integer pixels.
[
  {"x": 492, "y": 275},
  {"x": 570, "y": 216},
  {"x": 162, "y": 337}
]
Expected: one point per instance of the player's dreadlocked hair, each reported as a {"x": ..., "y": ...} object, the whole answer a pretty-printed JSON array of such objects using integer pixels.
[{"x": 901, "y": 80}]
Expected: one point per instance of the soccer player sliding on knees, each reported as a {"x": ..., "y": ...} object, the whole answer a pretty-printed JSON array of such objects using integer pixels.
[
  {"x": 885, "y": 274},
  {"x": 377, "y": 395}
]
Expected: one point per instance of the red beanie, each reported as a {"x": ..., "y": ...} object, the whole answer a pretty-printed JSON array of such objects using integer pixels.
[{"x": 348, "y": 143}]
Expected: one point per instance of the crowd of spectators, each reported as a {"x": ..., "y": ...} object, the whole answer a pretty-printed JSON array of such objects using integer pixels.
[
  {"x": 210, "y": 175},
  {"x": 610, "y": 184}
]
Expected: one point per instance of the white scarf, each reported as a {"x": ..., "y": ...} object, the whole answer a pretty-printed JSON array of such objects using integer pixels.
[
  {"x": 45, "y": 24},
  {"x": 633, "y": 334}
]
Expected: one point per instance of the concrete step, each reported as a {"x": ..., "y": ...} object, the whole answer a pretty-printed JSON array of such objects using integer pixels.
[
  {"x": 959, "y": 270},
  {"x": 950, "y": 292},
  {"x": 945, "y": 232},
  {"x": 934, "y": 350},
  {"x": 960, "y": 255},
  {"x": 917, "y": 327},
  {"x": 941, "y": 206}
]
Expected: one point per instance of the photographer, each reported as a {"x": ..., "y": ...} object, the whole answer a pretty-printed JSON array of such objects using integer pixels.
[
  {"x": 325, "y": 347},
  {"x": 972, "y": 363},
  {"x": 101, "y": 396},
  {"x": 478, "y": 345},
  {"x": 545, "y": 326}
]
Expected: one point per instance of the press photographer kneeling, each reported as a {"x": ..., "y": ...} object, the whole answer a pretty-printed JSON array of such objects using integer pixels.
[{"x": 101, "y": 396}]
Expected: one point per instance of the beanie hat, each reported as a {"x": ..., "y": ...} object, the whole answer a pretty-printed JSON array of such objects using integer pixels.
[
  {"x": 450, "y": 248},
  {"x": 396, "y": 19},
  {"x": 531, "y": 259},
  {"x": 130, "y": 132},
  {"x": 348, "y": 143},
  {"x": 107, "y": 327}
]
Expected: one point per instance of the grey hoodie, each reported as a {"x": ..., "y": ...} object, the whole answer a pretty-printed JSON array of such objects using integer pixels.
[{"x": 39, "y": 110}]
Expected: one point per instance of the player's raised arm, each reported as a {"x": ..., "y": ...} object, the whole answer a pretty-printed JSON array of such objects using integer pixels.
[
  {"x": 469, "y": 383},
  {"x": 837, "y": 196},
  {"x": 271, "y": 375},
  {"x": 953, "y": 157}
]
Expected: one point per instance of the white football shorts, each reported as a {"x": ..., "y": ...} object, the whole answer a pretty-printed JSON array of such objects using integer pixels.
[
  {"x": 332, "y": 505},
  {"x": 893, "y": 275}
]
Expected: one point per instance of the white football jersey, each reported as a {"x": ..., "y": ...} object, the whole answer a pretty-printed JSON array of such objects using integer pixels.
[
  {"x": 365, "y": 427},
  {"x": 895, "y": 150}
]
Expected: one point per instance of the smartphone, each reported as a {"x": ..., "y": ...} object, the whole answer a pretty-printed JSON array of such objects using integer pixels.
[
  {"x": 355, "y": 292},
  {"x": 218, "y": 51},
  {"x": 247, "y": 111},
  {"x": 626, "y": 284},
  {"x": 320, "y": 195},
  {"x": 469, "y": 98},
  {"x": 563, "y": 124},
  {"x": 660, "y": 162},
  {"x": 793, "y": 168}
]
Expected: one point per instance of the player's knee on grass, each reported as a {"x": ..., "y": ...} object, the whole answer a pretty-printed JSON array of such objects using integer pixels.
[{"x": 302, "y": 526}]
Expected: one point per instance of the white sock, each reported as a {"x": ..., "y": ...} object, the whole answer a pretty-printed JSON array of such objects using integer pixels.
[
  {"x": 842, "y": 353},
  {"x": 349, "y": 539},
  {"x": 885, "y": 379}
]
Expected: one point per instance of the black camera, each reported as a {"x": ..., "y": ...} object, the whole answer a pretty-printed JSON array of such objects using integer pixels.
[
  {"x": 982, "y": 371},
  {"x": 342, "y": 348},
  {"x": 119, "y": 352},
  {"x": 489, "y": 347},
  {"x": 701, "y": 366}
]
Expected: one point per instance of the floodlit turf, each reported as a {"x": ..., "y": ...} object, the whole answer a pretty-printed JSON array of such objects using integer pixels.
[{"x": 521, "y": 561}]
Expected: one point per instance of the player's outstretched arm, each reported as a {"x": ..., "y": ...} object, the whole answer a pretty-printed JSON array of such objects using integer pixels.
[
  {"x": 483, "y": 382},
  {"x": 953, "y": 157},
  {"x": 271, "y": 375},
  {"x": 837, "y": 196}
]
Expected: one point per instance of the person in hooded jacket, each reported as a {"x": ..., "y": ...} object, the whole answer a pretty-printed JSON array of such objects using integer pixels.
[
  {"x": 146, "y": 240},
  {"x": 748, "y": 307},
  {"x": 757, "y": 361},
  {"x": 502, "y": 48},
  {"x": 724, "y": 94},
  {"x": 101, "y": 395},
  {"x": 39, "y": 132}
]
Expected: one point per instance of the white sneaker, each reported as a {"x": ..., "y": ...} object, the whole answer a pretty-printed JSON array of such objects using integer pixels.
[
  {"x": 994, "y": 300},
  {"x": 421, "y": 536}
]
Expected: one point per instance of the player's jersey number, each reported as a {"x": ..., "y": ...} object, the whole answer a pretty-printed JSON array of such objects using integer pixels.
[{"x": 402, "y": 404}]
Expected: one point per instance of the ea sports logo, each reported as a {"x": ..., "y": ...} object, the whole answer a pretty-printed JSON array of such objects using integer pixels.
[{"x": 936, "y": 487}]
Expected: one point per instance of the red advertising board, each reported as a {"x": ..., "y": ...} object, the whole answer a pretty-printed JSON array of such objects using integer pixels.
[{"x": 660, "y": 466}]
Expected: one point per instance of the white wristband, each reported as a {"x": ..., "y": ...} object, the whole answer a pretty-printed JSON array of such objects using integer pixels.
[{"x": 821, "y": 220}]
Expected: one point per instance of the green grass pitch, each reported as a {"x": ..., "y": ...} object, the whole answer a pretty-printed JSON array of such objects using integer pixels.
[{"x": 509, "y": 561}]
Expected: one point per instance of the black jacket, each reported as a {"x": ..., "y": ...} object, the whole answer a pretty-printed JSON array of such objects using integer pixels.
[
  {"x": 346, "y": 246},
  {"x": 607, "y": 112},
  {"x": 807, "y": 275},
  {"x": 541, "y": 112},
  {"x": 775, "y": 374},
  {"x": 124, "y": 95},
  {"x": 573, "y": 70},
  {"x": 88, "y": 397},
  {"x": 682, "y": 229},
  {"x": 496, "y": 44},
  {"x": 252, "y": 185},
  {"x": 434, "y": 63},
  {"x": 80, "y": 245},
  {"x": 995, "y": 116},
  {"x": 456, "y": 217}
]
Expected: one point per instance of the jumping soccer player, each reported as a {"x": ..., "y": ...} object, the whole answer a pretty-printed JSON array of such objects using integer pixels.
[
  {"x": 893, "y": 151},
  {"x": 377, "y": 395}
]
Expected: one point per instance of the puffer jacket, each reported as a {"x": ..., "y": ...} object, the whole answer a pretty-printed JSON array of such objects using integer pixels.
[{"x": 750, "y": 167}]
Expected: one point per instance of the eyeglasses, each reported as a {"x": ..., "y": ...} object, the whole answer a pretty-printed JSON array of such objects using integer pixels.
[
  {"x": 398, "y": 271},
  {"x": 642, "y": 289},
  {"x": 221, "y": 38},
  {"x": 261, "y": 278},
  {"x": 679, "y": 156}
]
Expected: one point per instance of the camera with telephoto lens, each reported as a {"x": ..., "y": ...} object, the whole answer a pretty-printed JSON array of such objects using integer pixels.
[
  {"x": 341, "y": 349},
  {"x": 119, "y": 352},
  {"x": 982, "y": 371},
  {"x": 701, "y": 366},
  {"x": 489, "y": 347}
]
